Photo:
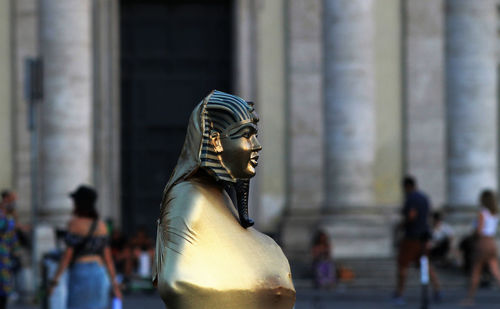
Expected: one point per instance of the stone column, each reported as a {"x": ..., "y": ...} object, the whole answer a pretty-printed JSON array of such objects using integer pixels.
[
  {"x": 471, "y": 84},
  {"x": 349, "y": 102},
  {"x": 66, "y": 141}
]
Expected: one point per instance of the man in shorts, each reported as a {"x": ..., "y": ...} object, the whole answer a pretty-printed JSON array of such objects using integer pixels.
[{"x": 416, "y": 210}]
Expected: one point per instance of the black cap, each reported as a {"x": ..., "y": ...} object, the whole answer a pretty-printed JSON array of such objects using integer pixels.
[
  {"x": 5, "y": 193},
  {"x": 84, "y": 193}
]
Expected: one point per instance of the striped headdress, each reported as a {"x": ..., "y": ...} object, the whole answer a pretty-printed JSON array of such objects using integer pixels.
[{"x": 221, "y": 113}]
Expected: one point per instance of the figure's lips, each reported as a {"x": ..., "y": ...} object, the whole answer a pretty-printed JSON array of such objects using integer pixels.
[{"x": 254, "y": 159}]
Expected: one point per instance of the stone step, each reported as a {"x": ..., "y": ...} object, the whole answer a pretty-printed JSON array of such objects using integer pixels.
[{"x": 380, "y": 274}]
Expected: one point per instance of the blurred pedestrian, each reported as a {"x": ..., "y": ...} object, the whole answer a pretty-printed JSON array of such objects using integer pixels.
[
  {"x": 416, "y": 210},
  {"x": 442, "y": 238},
  {"x": 466, "y": 247},
  {"x": 87, "y": 250},
  {"x": 22, "y": 230},
  {"x": 8, "y": 246},
  {"x": 8, "y": 202},
  {"x": 142, "y": 252},
  {"x": 485, "y": 249},
  {"x": 323, "y": 265},
  {"x": 120, "y": 252}
]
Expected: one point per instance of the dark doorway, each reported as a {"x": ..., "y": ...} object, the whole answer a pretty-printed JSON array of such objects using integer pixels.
[{"x": 173, "y": 53}]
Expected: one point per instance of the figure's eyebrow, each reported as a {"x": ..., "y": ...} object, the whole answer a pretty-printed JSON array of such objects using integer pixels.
[{"x": 248, "y": 126}]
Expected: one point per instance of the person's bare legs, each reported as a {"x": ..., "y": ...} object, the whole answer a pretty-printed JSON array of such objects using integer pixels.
[
  {"x": 474, "y": 282},
  {"x": 401, "y": 279},
  {"x": 129, "y": 261},
  {"x": 434, "y": 279},
  {"x": 493, "y": 264}
]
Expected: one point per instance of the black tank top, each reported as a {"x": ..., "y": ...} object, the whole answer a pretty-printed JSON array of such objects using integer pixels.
[{"x": 86, "y": 245}]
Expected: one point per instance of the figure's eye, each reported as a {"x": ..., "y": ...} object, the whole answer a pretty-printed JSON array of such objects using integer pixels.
[{"x": 245, "y": 132}]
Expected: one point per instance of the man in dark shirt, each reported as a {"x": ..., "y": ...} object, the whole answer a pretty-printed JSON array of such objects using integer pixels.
[
  {"x": 415, "y": 212},
  {"x": 417, "y": 234}
]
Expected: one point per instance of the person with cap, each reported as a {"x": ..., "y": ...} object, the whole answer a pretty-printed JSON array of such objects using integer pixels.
[{"x": 87, "y": 255}]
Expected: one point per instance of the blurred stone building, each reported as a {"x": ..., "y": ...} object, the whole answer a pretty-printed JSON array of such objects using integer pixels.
[{"x": 352, "y": 94}]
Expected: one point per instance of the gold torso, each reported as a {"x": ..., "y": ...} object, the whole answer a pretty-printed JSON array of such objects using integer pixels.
[{"x": 205, "y": 259}]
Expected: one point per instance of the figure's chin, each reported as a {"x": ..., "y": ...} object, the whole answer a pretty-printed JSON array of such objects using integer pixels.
[
  {"x": 248, "y": 174},
  {"x": 251, "y": 171}
]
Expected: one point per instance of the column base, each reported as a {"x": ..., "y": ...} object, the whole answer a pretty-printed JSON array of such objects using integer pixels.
[
  {"x": 355, "y": 233},
  {"x": 361, "y": 232}
]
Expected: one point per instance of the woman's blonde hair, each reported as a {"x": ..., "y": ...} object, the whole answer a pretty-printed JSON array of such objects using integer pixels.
[{"x": 489, "y": 200}]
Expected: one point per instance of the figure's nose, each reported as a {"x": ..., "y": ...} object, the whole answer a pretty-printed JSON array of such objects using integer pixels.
[{"x": 256, "y": 146}]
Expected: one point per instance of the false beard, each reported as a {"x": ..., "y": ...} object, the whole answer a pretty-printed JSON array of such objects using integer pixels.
[{"x": 241, "y": 187}]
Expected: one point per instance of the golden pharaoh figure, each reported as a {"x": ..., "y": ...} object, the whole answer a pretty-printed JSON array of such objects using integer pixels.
[{"x": 207, "y": 255}]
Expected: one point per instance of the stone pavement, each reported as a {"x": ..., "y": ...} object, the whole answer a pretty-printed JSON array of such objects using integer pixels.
[
  {"x": 348, "y": 299},
  {"x": 378, "y": 299}
]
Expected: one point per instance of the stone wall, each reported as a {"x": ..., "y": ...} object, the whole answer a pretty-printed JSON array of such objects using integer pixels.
[
  {"x": 5, "y": 98},
  {"x": 388, "y": 166},
  {"x": 25, "y": 45},
  {"x": 271, "y": 104},
  {"x": 424, "y": 110}
]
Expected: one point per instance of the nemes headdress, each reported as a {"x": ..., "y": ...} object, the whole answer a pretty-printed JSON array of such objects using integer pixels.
[{"x": 221, "y": 113}]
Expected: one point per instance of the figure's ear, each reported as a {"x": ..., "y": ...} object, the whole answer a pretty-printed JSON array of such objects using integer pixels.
[{"x": 215, "y": 140}]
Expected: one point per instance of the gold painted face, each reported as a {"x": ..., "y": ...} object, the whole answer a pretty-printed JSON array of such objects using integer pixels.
[{"x": 239, "y": 150}]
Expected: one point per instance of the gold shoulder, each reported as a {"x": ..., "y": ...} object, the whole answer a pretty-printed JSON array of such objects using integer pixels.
[{"x": 185, "y": 200}]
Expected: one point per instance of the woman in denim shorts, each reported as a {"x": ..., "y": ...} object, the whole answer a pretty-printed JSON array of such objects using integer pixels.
[{"x": 88, "y": 256}]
